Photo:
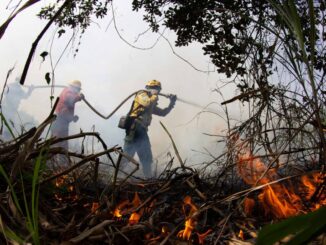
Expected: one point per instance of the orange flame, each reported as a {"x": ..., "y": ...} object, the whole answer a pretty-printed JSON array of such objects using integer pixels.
[
  {"x": 310, "y": 186},
  {"x": 126, "y": 206},
  {"x": 95, "y": 207},
  {"x": 136, "y": 201},
  {"x": 60, "y": 181},
  {"x": 186, "y": 233},
  {"x": 118, "y": 211},
  {"x": 165, "y": 230},
  {"x": 66, "y": 189},
  {"x": 310, "y": 183},
  {"x": 276, "y": 199},
  {"x": 135, "y": 217},
  {"x": 240, "y": 235},
  {"x": 190, "y": 222},
  {"x": 249, "y": 204}
]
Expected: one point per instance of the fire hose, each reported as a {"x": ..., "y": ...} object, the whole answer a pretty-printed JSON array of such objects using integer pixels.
[
  {"x": 87, "y": 103},
  {"x": 127, "y": 98},
  {"x": 117, "y": 108},
  {"x": 124, "y": 101}
]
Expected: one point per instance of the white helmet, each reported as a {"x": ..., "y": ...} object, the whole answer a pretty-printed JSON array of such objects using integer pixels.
[{"x": 75, "y": 83}]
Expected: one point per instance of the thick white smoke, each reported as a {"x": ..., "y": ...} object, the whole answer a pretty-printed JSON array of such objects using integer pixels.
[{"x": 110, "y": 70}]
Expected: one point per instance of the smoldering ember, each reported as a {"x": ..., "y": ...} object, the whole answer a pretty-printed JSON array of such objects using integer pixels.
[{"x": 247, "y": 166}]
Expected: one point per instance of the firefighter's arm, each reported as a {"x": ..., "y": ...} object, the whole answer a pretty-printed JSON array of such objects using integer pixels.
[
  {"x": 72, "y": 99},
  {"x": 163, "y": 112},
  {"x": 29, "y": 91}
]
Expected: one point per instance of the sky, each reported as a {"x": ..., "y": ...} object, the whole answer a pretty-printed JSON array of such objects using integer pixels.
[{"x": 110, "y": 70}]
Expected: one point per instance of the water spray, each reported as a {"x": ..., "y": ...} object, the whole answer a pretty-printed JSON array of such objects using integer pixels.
[
  {"x": 45, "y": 86},
  {"x": 188, "y": 102},
  {"x": 183, "y": 100}
]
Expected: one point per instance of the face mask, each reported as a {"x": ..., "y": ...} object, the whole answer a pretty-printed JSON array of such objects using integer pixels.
[
  {"x": 153, "y": 91},
  {"x": 75, "y": 89}
]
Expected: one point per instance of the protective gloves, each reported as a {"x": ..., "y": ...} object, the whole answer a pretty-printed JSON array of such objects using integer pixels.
[
  {"x": 75, "y": 118},
  {"x": 173, "y": 99}
]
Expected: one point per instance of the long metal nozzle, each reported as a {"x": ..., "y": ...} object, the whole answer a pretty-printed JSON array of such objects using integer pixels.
[{"x": 184, "y": 101}]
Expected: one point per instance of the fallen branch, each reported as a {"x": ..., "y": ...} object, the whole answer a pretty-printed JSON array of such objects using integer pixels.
[{"x": 89, "y": 232}]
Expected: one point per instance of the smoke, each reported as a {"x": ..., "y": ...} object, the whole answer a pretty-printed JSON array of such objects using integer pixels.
[
  {"x": 110, "y": 70},
  {"x": 18, "y": 121}
]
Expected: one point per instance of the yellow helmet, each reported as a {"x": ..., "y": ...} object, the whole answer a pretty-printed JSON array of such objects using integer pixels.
[
  {"x": 75, "y": 83},
  {"x": 154, "y": 84}
]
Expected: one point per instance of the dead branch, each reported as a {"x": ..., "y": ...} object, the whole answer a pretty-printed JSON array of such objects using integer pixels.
[
  {"x": 89, "y": 232},
  {"x": 80, "y": 163},
  {"x": 4, "y": 26},
  {"x": 241, "y": 96},
  {"x": 39, "y": 37}
]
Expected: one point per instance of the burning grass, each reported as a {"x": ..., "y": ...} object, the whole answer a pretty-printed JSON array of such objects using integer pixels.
[
  {"x": 284, "y": 199},
  {"x": 72, "y": 205}
]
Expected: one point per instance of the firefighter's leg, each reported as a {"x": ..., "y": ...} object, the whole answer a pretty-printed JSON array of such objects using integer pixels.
[
  {"x": 60, "y": 129},
  {"x": 144, "y": 152},
  {"x": 129, "y": 148}
]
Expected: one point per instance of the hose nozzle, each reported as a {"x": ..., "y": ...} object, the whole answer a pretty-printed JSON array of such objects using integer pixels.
[
  {"x": 167, "y": 95},
  {"x": 164, "y": 95}
]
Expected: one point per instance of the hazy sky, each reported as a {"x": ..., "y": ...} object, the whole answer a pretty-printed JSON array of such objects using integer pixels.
[{"x": 110, "y": 70}]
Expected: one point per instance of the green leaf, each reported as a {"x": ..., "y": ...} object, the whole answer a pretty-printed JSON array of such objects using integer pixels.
[
  {"x": 303, "y": 227},
  {"x": 8, "y": 233},
  {"x": 48, "y": 78},
  {"x": 60, "y": 32},
  {"x": 15, "y": 198},
  {"x": 3, "y": 119},
  {"x": 296, "y": 25},
  {"x": 35, "y": 196},
  {"x": 43, "y": 55},
  {"x": 312, "y": 18}
]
